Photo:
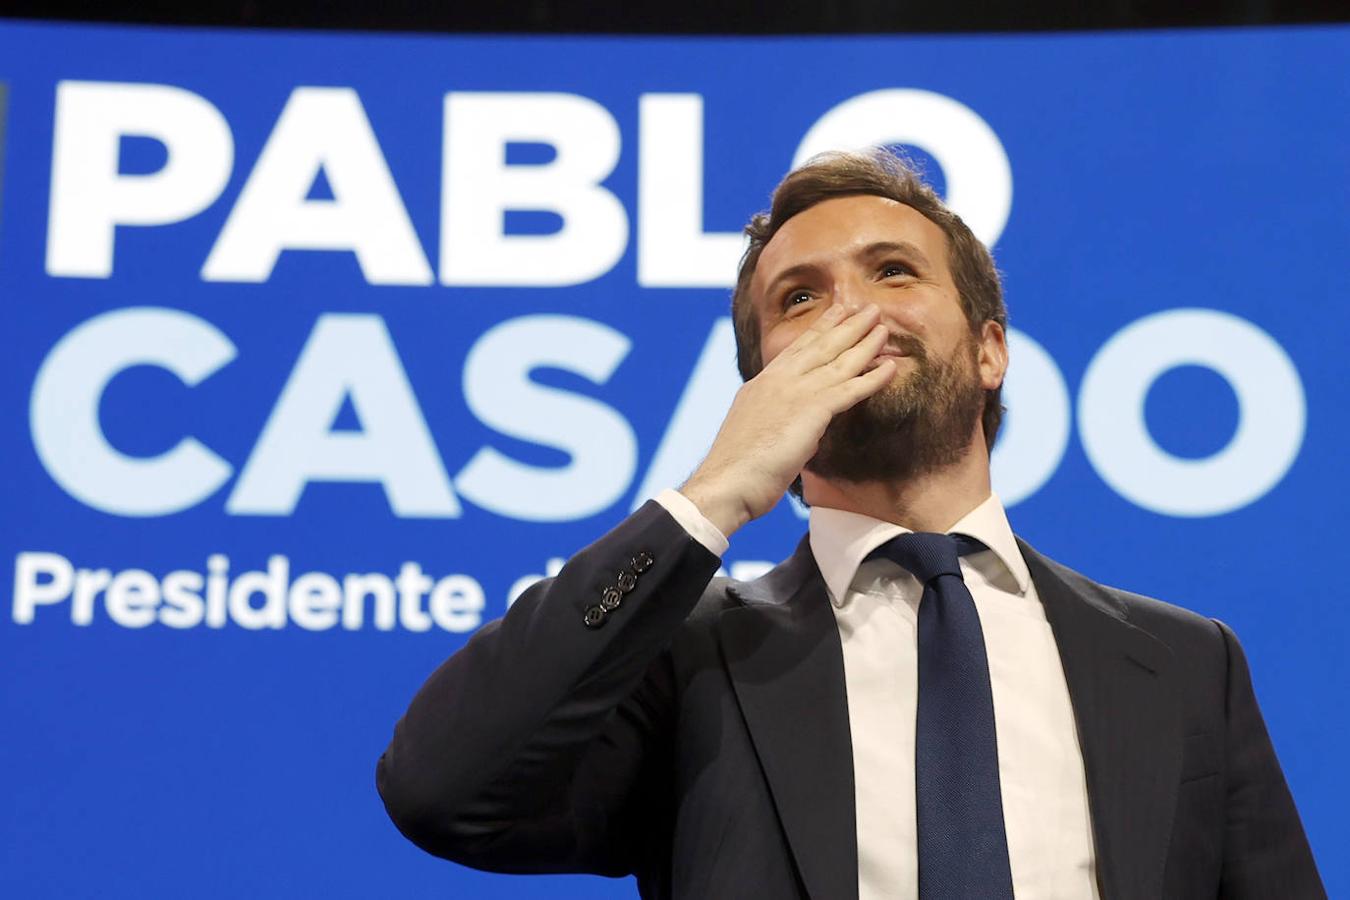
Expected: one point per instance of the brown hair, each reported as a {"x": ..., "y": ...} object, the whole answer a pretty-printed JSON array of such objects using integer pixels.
[{"x": 880, "y": 173}]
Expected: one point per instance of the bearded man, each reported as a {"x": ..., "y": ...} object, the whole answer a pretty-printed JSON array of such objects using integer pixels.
[{"x": 916, "y": 703}]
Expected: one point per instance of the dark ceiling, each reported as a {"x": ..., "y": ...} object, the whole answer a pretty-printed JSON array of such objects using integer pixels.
[{"x": 693, "y": 16}]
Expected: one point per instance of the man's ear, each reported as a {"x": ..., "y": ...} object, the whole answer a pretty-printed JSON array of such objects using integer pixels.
[{"x": 993, "y": 356}]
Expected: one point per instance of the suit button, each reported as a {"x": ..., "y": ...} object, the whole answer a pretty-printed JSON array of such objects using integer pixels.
[
  {"x": 627, "y": 581},
  {"x": 642, "y": 562},
  {"x": 610, "y": 599},
  {"x": 595, "y": 617}
]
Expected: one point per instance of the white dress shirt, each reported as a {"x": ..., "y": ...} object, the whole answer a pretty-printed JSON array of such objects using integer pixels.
[{"x": 1044, "y": 789}]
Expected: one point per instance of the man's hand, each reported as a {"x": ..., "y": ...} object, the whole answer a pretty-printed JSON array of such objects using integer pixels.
[{"x": 778, "y": 417}]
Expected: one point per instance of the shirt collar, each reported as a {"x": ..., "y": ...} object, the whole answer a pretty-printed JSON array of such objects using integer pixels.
[{"x": 841, "y": 540}]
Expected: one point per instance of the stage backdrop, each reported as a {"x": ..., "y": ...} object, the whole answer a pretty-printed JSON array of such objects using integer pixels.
[{"x": 318, "y": 348}]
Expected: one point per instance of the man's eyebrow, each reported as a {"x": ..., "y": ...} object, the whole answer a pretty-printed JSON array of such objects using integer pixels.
[
  {"x": 790, "y": 273},
  {"x": 869, "y": 252},
  {"x": 904, "y": 248}
]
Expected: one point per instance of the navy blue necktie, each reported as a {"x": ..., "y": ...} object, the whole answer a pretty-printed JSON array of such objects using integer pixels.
[{"x": 963, "y": 847}]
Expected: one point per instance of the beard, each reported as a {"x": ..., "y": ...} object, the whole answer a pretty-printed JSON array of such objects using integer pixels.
[{"x": 915, "y": 425}]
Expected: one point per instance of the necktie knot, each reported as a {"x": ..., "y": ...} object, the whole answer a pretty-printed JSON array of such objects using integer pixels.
[{"x": 926, "y": 555}]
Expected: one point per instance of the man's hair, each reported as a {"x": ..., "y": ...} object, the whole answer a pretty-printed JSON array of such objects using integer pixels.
[{"x": 878, "y": 173}]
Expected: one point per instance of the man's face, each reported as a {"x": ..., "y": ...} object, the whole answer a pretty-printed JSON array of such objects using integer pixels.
[{"x": 867, "y": 249}]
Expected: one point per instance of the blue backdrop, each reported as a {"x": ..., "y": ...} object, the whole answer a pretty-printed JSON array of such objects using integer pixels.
[{"x": 317, "y": 345}]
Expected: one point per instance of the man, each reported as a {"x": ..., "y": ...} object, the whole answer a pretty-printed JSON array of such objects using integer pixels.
[{"x": 916, "y": 703}]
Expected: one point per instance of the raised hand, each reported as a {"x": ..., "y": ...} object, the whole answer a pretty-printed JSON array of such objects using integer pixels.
[{"x": 778, "y": 417}]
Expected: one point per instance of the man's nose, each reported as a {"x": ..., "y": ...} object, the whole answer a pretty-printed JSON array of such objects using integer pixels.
[{"x": 848, "y": 294}]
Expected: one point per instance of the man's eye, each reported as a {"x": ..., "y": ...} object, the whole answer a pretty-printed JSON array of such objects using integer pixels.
[
  {"x": 795, "y": 298},
  {"x": 890, "y": 270}
]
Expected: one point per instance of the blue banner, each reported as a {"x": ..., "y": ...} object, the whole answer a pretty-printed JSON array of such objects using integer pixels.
[{"x": 320, "y": 348}]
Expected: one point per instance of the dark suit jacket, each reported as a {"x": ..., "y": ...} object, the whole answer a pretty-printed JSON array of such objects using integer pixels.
[{"x": 699, "y": 739}]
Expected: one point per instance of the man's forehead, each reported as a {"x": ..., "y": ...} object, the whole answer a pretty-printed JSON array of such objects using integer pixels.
[{"x": 841, "y": 226}]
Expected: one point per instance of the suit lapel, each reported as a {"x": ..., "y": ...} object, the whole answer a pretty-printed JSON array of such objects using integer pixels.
[
  {"x": 783, "y": 653},
  {"x": 1126, "y": 703}
]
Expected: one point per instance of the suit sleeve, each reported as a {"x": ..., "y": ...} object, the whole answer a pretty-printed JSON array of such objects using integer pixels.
[
  {"x": 543, "y": 745},
  {"x": 1266, "y": 852}
]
